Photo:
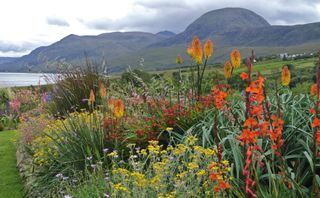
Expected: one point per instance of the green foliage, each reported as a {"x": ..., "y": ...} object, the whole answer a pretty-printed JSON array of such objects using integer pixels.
[{"x": 72, "y": 88}]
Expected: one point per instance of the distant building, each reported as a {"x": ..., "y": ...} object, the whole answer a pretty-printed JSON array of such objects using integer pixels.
[{"x": 283, "y": 55}]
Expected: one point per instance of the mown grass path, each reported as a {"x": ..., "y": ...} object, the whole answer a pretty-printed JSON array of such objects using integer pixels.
[{"x": 10, "y": 184}]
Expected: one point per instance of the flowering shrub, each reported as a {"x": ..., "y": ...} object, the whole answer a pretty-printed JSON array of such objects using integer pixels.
[{"x": 185, "y": 170}]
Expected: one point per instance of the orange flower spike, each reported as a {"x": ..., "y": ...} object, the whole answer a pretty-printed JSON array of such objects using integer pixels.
[
  {"x": 190, "y": 52},
  {"x": 179, "y": 60},
  {"x": 227, "y": 69},
  {"x": 197, "y": 50},
  {"x": 102, "y": 90},
  {"x": 235, "y": 58},
  {"x": 313, "y": 90},
  {"x": 208, "y": 49},
  {"x": 118, "y": 109},
  {"x": 91, "y": 98},
  {"x": 285, "y": 76}
]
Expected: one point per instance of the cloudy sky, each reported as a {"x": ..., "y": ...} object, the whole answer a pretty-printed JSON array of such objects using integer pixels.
[{"x": 27, "y": 24}]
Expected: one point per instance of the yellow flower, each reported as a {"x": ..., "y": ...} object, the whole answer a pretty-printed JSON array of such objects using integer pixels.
[
  {"x": 169, "y": 129},
  {"x": 140, "y": 179},
  {"x": 191, "y": 140},
  {"x": 197, "y": 50},
  {"x": 201, "y": 173},
  {"x": 209, "y": 152},
  {"x": 285, "y": 76},
  {"x": 192, "y": 165},
  {"x": 119, "y": 187},
  {"x": 208, "y": 49},
  {"x": 225, "y": 162},
  {"x": 235, "y": 58},
  {"x": 179, "y": 60},
  {"x": 227, "y": 69}
]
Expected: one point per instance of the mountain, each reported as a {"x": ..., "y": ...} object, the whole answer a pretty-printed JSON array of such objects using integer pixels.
[
  {"x": 7, "y": 59},
  {"x": 227, "y": 27}
]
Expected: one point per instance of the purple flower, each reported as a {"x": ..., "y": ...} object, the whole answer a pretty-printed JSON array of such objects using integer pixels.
[
  {"x": 121, "y": 162},
  {"x": 106, "y": 195},
  {"x": 105, "y": 150},
  {"x": 107, "y": 178},
  {"x": 67, "y": 196},
  {"x": 171, "y": 158}
]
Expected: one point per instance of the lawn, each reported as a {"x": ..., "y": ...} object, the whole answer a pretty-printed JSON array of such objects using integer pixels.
[{"x": 10, "y": 184}]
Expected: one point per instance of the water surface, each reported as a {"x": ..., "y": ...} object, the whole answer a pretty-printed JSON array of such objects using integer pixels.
[{"x": 22, "y": 79}]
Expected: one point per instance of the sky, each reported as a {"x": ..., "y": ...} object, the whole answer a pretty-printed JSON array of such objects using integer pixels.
[{"x": 28, "y": 24}]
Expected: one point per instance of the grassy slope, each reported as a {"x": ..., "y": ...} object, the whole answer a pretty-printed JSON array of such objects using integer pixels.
[
  {"x": 265, "y": 67},
  {"x": 10, "y": 184}
]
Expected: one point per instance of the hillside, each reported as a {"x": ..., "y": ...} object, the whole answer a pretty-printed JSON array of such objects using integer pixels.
[{"x": 228, "y": 27}]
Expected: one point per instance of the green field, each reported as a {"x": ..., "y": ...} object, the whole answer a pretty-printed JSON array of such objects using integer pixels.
[
  {"x": 264, "y": 67},
  {"x": 10, "y": 184}
]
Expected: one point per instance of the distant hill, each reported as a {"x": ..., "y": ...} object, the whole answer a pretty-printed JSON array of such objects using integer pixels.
[
  {"x": 228, "y": 27},
  {"x": 7, "y": 59}
]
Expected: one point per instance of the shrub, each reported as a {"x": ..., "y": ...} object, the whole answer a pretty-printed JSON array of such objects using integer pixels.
[{"x": 71, "y": 89}]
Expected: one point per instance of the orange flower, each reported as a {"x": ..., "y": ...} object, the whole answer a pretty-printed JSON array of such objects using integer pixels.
[
  {"x": 102, "y": 90},
  {"x": 179, "y": 60},
  {"x": 312, "y": 111},
  {"x": 227, "y": 69},
  {"x": 315, "y": 123},
  {"x": 224, "y": 185},
  {"x": 235, "y": 58},
  {"x": 244, "y": 76},
  {"x": 118, "y": 108},
  {"x": 190, "y": 52},
  {"x": 197, "y": 50},
  {"x": 208, "y": 49},
  {"x": 313, "y": 90},
  {"x": 285, "y": 76},
  {"x": 213, "y": 176},
  {"x": 91, "y": 98},
  {"x": 250, "y": 122}
]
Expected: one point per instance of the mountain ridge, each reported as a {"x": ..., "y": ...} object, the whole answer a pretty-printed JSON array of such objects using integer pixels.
[{"x": 227, "y": 27}]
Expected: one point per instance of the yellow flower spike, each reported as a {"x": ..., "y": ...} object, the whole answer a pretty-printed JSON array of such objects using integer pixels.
[
  {"x": 179, "y": 60},
  {"x": 235, "y": 58},
  {"x": 208, "y": 49},
  {"x": 197, "y": 50},
  {"x": 285, "y": 76},
  {"x": 227, "y": 69}
]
